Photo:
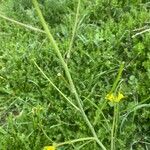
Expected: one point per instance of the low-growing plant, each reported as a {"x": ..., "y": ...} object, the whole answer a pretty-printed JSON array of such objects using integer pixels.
[{"x": 60, "y": 85}]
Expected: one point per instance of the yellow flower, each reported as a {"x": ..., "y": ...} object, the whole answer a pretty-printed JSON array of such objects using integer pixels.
[
  {"x": 114, "y": 98},
  {"x": 110, "y": 97},
  {"x": 49, "y": 148},
  {"x": 119, "y": 97}
]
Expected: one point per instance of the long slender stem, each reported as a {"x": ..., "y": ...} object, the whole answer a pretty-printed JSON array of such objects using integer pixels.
[
  {"x": 74, "y": 29},
  {"x": 56, "y": 87},
  {"x": 21, "y": 24},
  {"x": 72, "y": 86},
  {"x": 118, "y": 77},
  {"x": 113, "y": 129},
  {"x": 74, "y": 141},
  {"x": 117, "y": 118},
  {"x": 114, "y": 126}
]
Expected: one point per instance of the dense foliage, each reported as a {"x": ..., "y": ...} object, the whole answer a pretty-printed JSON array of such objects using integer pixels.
[{"x": 33, "y": 114}]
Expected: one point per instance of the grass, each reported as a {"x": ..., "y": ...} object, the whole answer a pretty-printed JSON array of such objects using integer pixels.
[{"x": 46, "y": 100}]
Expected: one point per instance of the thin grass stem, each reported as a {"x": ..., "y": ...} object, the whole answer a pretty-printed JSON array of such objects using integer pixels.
[
  {"x": 113, "y": 129},
  {"x": 74, "y": 141},
  {"x": 74, "y": 30},
  {"x": 55, "y": 86},
  {"x": 21, "y": 24},
  {"x": 118, "y": 77}
]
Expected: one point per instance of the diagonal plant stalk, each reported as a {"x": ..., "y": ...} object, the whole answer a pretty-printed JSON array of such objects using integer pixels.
[
  {"x": 74, "y": 29},
  {"x": 118, "y": 77},
  {"x": 72, "y": 86},
  {"x": 69, "y": 101},
  {"x": 74, "y": 141},
  {"x": 21, "y": 24}
]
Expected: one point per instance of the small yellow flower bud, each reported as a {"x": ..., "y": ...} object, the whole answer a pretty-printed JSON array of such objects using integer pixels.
[
  {"x": 110, "y": 97},
  {"x": 119, "y": 97},
  {"x": 49, "y": 148}
]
